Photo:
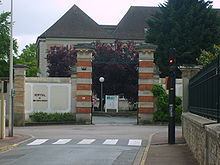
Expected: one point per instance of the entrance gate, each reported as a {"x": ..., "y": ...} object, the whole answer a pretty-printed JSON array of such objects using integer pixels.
[{"x": 147, "y": 77}]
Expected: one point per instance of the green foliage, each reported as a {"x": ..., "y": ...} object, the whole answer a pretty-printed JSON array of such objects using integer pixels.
[
  {"x": 207, "y": 56},
  {"x": 187, "y": 25},
  {"x": 52, "y": 117},
  {"x": 158, "y": 90},
  {"x": 118, "y": 64},
  {"x": 161, "y": 114},
  {"x": 162, "y": 102},
  {"x": 28, "y": 57},
  {"x": 60, "y": 61},
  {"x": 5, "y": 44},
  {"x": 178, "y": 113}
]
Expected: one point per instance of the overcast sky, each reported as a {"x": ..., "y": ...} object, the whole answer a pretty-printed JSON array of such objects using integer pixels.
[{"x": 33, "y": 17}]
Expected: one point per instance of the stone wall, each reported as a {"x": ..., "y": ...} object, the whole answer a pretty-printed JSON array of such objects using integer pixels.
[{"x": 203, "y": 138}]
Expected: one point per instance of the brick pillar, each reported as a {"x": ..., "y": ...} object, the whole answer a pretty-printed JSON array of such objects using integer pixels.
[
  {"x": 19, "y": 101},
  {"x": 147, "y": 77},
  {"x": 73, "y": 84},
  {"x": 84, "y": 83}
]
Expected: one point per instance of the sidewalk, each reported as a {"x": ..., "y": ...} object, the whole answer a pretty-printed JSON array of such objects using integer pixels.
[
  {"x": 161, "y": 153},
  {"x": 12, "y": 142}
]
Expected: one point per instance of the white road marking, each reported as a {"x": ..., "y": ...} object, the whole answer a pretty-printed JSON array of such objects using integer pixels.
[
  {"x": 110, "y": 141},
  {"x": 135, "y": 142},
  {"x": 62, "y": 141},
  {"x": 86, "y": 141},
  {"x": 37, "y": 142}
]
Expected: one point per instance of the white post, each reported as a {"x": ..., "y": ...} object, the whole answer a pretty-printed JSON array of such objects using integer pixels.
[
  {"x": 10, "y": 112},
  {"x": 101, "y": 96},
  {"x": 2, "y": 127},
  {"x": 101, "y": 80}
]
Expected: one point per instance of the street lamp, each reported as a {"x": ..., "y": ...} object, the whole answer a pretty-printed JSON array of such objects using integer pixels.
[{"x": 101, "y": 80}]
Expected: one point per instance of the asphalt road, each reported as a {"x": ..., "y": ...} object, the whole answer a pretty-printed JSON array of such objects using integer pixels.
[{"x": 100, "y": 144}]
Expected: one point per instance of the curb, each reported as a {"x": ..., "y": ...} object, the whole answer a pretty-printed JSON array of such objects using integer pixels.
[
  {"x": 144, "y": 157},
  {"x": 9, "y": 147}
]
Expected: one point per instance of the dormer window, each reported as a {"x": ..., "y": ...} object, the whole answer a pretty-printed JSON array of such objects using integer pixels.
[{"x": 145, "y": 30}]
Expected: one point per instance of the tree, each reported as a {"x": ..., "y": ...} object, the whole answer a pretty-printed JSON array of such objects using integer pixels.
[
  {"x": 118, "y": 64},
  {"x": 207, "y": 57},
  {"x": 60, "y": 61},
  {"x": 187, "y": 25},
  {"x": 5, "y": 44},
  {"x": 28, "y": 57}
]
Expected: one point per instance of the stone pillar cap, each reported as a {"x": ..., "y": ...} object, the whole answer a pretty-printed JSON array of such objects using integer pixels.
[
  {"x": 190, "y": 67},
  {"x": 20, "y": 66},
  {"x": 85, "y": 46},
  {"x": 145, "y": 46}
]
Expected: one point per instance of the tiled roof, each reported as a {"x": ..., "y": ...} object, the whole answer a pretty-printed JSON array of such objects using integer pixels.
[
  {"x": 77, "y": 24},
  {"x": 133, "y": 24}
]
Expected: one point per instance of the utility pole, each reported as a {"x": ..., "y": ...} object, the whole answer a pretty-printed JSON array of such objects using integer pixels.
[
  {"x": 11, "y": 113},
  {"x": 172, "y": 96}
]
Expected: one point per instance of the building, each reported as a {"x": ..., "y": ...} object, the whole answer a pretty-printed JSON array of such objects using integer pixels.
[{"x": 75, "y": 27}]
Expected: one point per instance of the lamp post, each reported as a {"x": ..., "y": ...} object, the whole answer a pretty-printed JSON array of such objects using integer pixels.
[
  {"x": 10, "y": 114},
  {"x": 101, "y": 80}
]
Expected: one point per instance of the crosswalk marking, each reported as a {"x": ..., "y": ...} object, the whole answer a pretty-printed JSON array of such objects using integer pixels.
[
  {"x": 37, "y": 142},
  {"x": 129, "y": 142},
  {"x": 135, "y": 142},
  {"x": 62, "y": 141},
  {"x": 86, "y": 141},
  {"x": 110, "y": 141}
]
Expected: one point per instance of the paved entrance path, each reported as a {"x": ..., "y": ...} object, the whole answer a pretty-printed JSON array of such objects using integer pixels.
[{"x": 108, "y": 120}]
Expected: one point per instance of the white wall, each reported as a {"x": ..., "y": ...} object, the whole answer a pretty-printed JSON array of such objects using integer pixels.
[{"x": 50, "y": 97}]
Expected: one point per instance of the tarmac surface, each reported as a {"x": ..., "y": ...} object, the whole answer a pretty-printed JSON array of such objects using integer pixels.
[{"x": 157, "y": 152}]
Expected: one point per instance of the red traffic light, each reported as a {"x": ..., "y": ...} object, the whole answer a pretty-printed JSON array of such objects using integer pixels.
[{"x": 171, "y": 61}]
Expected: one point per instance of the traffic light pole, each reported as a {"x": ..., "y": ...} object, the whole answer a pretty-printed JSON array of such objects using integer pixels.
[
  {"x": 171, "y": 127},
  {"x": 172, "y": 96}
]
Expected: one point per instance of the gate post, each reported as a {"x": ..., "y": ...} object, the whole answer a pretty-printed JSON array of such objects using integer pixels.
[
  {"x": 84, "y": 83},
  {"x": 187, "y": 73},
  {"x": 19, "y": 99},
  {"x": 147, "y": 77}
]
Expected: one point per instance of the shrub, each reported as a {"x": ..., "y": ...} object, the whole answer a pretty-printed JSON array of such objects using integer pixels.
[
  {"x": 52, "y": 117},
  {"x": 162, "y": 105},
  {"x": 160, "y": 116},
  {"x": 158, "y": 90}
]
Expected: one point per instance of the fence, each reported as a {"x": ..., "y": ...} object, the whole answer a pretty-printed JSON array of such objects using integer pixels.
[{"x": 204, "y": 92}]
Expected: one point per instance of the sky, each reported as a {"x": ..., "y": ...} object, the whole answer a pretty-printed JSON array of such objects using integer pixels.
[{"x": 33, "y": 17}]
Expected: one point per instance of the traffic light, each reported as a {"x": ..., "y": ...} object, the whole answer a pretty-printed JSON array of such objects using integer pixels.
[
  {"x": 172, "y": 62},
  {"x": 172, "y": 56}
]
